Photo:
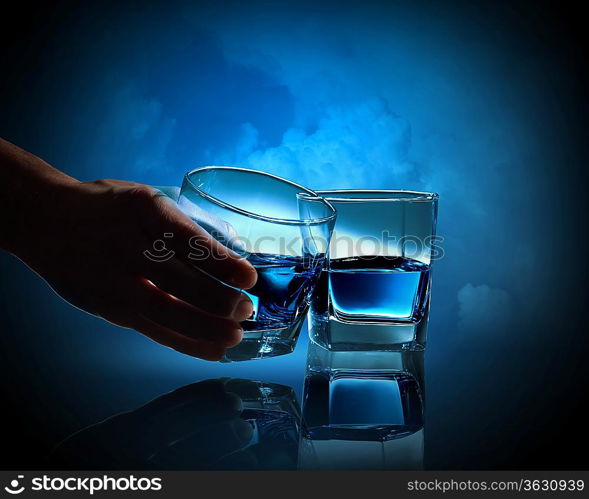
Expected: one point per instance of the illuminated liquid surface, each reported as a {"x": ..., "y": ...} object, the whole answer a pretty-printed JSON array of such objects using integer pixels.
[
  {"x": 282, "y": 290},
  {"x": 373, "y": 289}
]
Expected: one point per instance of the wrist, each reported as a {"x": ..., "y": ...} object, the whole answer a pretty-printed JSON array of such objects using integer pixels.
[{"x": 35, "y": 193}]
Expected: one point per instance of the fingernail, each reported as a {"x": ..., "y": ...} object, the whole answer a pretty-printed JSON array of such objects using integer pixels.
[
  {"x": 244, "y": 309},
  {"x": 237, "y": 339}
]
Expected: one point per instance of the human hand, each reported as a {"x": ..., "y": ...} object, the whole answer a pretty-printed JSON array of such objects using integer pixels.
[{"x": 88, "y": 242}]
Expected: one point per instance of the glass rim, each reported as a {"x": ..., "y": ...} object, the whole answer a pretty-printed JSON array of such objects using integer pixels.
[
  {"x": 304, "y": 192},
  {"x": 380, "y": 195}
]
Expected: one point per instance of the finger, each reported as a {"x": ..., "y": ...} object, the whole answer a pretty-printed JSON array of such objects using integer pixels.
[
  {"x": 192, "y": 286},
  {"x": 185, "y": 319},
  {"x": 164, "y": 336},
  {"x": 193, "y": 244}
]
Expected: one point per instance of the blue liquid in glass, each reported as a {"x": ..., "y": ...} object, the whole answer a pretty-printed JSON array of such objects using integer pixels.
[
  {"x": 282, "y": 291},
  {"x": 378, "y": 289}
]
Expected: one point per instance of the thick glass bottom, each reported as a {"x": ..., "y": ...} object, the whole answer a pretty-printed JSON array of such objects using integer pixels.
[
  {"x": 266, "y": 343},
  {"x": 337, "y": 335}
]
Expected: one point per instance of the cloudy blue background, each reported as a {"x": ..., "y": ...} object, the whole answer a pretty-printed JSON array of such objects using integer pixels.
[{"x": 481, "y": 103}]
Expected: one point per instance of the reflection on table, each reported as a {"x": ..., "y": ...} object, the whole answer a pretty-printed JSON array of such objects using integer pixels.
[
  {"x": 363, "y": 410},
  {"x": 213, "y": 424}
]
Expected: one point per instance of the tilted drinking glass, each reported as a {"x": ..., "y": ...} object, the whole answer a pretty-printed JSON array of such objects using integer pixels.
[{"x": 282, "y": 228}]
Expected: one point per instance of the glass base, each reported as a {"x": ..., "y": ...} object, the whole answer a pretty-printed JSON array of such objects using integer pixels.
[
  {"x": 267, "y": 343},
  {"x": 336, "y": 335}
]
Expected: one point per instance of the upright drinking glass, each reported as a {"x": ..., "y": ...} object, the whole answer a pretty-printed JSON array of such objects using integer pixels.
[
  {"x": 379, "y": 271},
  {"x": 282, "y": 228}
]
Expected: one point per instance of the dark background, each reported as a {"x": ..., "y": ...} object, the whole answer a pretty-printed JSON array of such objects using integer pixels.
[{"x": 482, "y": 102}]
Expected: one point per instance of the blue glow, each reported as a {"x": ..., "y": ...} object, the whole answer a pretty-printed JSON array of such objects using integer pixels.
[
  {"x": 365, "y": 402},
  {"x": 363, "y": 96},
  {"x": 368, "y": 96},
  {"x": 397, "y": 290}
]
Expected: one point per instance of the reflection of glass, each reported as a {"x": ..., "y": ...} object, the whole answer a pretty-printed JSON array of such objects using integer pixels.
[
  {"x": 362, "y": 410},
  {"x": 214, "y": 424},
  {"x": 282, "y": 228},
  {"x": 379, "y": 270},
  {"x": 273, "y": 413}
]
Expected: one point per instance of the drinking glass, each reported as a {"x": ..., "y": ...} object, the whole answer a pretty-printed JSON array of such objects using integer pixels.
[
  {"x": 379, "y": 271},
  {"x": 282, "y": 228}
]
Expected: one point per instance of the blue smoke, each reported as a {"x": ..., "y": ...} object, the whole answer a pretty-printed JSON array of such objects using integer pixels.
[{"x": 420, "y": 96}]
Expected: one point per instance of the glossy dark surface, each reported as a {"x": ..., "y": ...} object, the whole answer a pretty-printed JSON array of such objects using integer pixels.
[{"x": 487, "y": 406}]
